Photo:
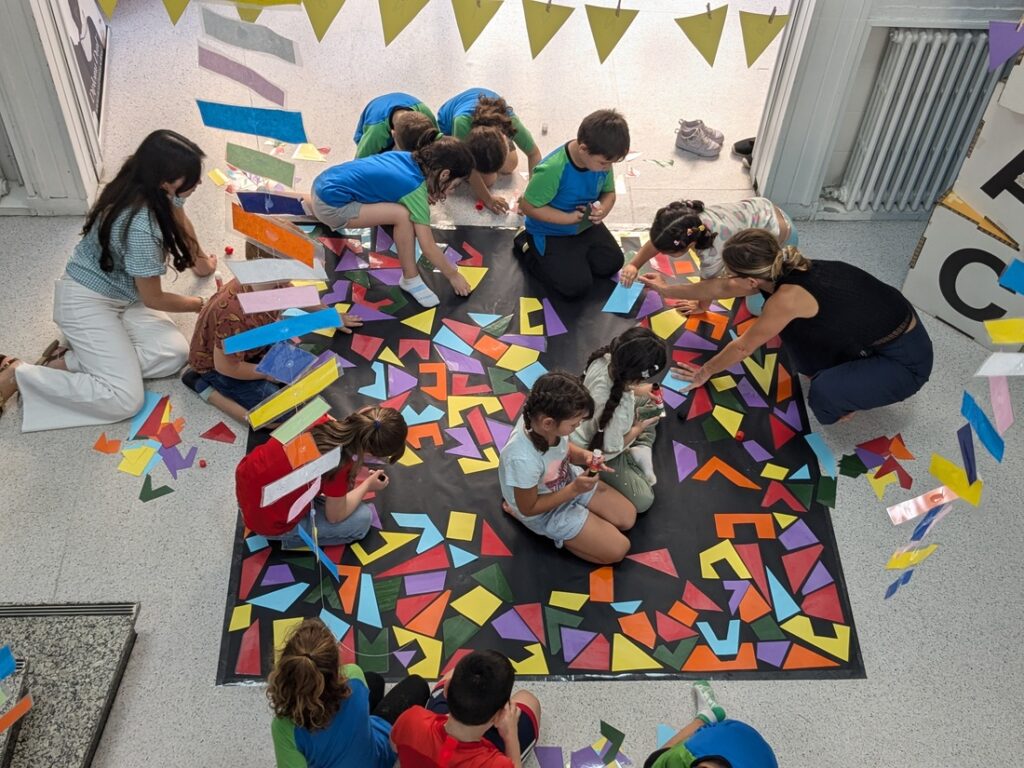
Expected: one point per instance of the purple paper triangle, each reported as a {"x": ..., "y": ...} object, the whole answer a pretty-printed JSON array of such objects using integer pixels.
[
  {"x": 553, "y": 325},
  {"x": 388, "y": 276},
  {"x": 738, "y": 589},
  {"x": 716, "y": 307},
  {"x": 1003, "y": 43},
  {"x": 466, "y": 446},
  {"x": 533, "y": 342},
  {"x": 338, "y": 293},
  {"x": 819, "y": 578},
  {"x": 651, "y": 304},
  {"x": 574, "y": 641},
  {"x": 349, "y": 261},
  {"x": 374, "y": 516},
  {"x": 673, "y": 399},
  {"x": 399, "y": 381},
  {"x": 749, "y": 394},
  {"x": 500, "y": 431},
  {"x": 690, "y": 340},
  {"x": 327, "y": 355},
  {"x": 797, "y": 535},
  {"x": 279, "y": 573},
  {"x": 405, "y": 657},
  {"x": 773, "y": 652},
  {"x": 458, "y": 362},
  {"x": 384, "y": 241},
  {"x": 869, "y": 459},
  {"x": 368, "y": 314},
  {"x": 686, "y": 460},
  {"x": 757, "y": 453},
  {"x": 791, "y": 416},
  {"x": 510, "y": 626}
]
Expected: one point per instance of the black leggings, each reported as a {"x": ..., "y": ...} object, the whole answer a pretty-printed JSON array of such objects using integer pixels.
[
  {"x": 571, "y": 263},
  {"x": 410, "y": 692}
]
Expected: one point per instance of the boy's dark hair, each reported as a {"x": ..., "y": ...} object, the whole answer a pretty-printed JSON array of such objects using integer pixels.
[
  {"x": 480, "y": 686},
  {"x": 489, "y": 147},
  {"x": 605, "y": 133}
]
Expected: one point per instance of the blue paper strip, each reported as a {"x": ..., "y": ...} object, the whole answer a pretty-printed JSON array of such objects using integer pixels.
[
  {"x": 983, "y": 428},
  {"x": 320, "y": 554},
  {"x": 965, "y": 437},
  {"x": 266, "y": 202},
  {"x": 826, "y": 459},
  {"x": 281, "y": 330},
  {"x": 627, "y": 606},
  {"x": 271, "y": 123},
  {"x": 285, "y": 362},
  {"x": 367, "y": 611},
  {"x": 1013, "y": 276},
  {"x": 784, "y": 604},
  {"x": 431, "y": 535}
]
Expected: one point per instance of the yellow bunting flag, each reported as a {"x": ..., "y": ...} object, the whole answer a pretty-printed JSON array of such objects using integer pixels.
[
  {"x": 108, "y": 6},
  {"x": 759, "y": 29},
  {"x": 705, "y": 31},
  {"x": 249, "y": 14},
  {"x": 608, "y": 25},
  {"x": 175, "y": 8},
  {"x": 472, "y": 16},
  {"x": 543, "y": 20},
  {"x": 395, "y": 15},
  {"x": 321, "y": 14}
]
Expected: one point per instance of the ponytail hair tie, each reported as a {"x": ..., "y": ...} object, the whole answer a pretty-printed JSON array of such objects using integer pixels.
[{"x": 376, "y": 424}]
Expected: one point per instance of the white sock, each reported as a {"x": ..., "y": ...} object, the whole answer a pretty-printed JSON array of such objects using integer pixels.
[
  {"x": 708, "y": 708},
  {"x": 416, "y": 288},
  {"x": 645, "y": 460}
]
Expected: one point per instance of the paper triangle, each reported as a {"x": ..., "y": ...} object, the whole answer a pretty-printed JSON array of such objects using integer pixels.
[
  {"x": 697, "y": 600},
  {"x": 422, "y": 322},
  {"x": 658, "y": 559},
  {"x": 628, "y": 657},
  {"x": 107, "y": 6},
  {"x": 595, "y": 656},
  {"x": 429, "y": 620},
  {"x": 490, "y": 544},
  {"x": 671, "y": 630},
  {"x": 249, "y": 14},
  {"x": 608, "y": 25},
  {"x": 759, "y": 29},
  {"x": 705, "y": 32},
  {"x": 473, "y": 275},
  {"x": 395, "y": 15},
  {"x": 824, "y": 604},
  {"x": 799, "y": 564},
  {"x": 407, "y": 608},
  {"x": 175, "y": 8},
  {"x": 472, "y": 16},
  {"x": 543, "y": 20}
]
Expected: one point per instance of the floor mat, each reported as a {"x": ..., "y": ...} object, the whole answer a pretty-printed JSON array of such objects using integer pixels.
[{"x": 733, "y": 572}]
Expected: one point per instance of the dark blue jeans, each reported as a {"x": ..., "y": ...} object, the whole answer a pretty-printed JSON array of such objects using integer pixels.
[
  {"x": 893, "y": 372},
  {"x": 248, "y": 393}
]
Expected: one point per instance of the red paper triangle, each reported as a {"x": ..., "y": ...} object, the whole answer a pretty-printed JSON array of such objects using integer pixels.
[
  {"x": 461, "y": 386},
  {"x": 396, "y": 402},
  {"x": 697, "y": 600},
  {"x": 671, "y": 630},
  {"x": 742, "y": 313},
  {"x": 700, "y": 403},
  {"x": 824, "y": 604},
  {"x": 490, "y": 544},
  {"x": 775, "y": 342},
  {"x": 168, "y": 436},
  {"x": 798, "y": 564},
  {"x": 750, "y": 554},
  {"x": 347, "y": 648},
  {"x": 778, "y": 492},
  {"x": 151, "y": 426},
  {"x": 220, "y": 432},
  {"x": 658, "y": 559},
  {"x": 513, "y": 404},
  {"x": 478, "y": 425},
  {"x": 889, "y": 466},
  {"x": 366, "y": 346},
  {"x": 435, "y": 559},
  {"x": 596, "y": 656},
  {"x": 685, "y": 355},
  {"x": 248, "y": 661},
  {"x": 468, "y": 333},
  {"x": 781, "y": 433},
  {"x": 252, "y": 567},
  {"x": 532, "y": 615},
  {"x": 420, "y": 346},
  {"x": 382, "y": 261},
  {"x": 407, "y": 608},
  {"x": 880, "y": 446}
]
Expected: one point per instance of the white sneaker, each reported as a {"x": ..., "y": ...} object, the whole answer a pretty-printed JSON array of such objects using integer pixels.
[
  {"x": 716, "y": 136},
  {"x": 697, "y": 142}
]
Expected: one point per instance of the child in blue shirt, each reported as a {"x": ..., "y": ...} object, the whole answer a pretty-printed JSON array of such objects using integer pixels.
[
  {"x": 394, "y": 120},
  {"x": 397, "y": 189},
  {"x": 565, "y": 244}
]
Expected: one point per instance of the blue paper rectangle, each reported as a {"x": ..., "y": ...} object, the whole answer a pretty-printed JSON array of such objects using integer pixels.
[
  {"x": 269, "y": 203},
  {"x": 320, "y": 554},
  {"x": 285, "y": 362},
  {"x": 272, "y": 123},
  {"x": 6, "y": 662},
  {"x": 826, "y": 458},
  {"x": 965, "y": 437},
  {"x": 983, "y": 428},
  {"x": 281, "y": 330},
  {"x": 622, "y": 299},
  {"x": 1013, "y": 276}
]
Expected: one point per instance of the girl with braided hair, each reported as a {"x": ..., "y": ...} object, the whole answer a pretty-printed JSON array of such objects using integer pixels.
[
  {"x": 331, "y": 715},
  {"x": 341, "y": 515},
  {"x": 623, "y": 425},
  {"x": 542, "y": 482}
]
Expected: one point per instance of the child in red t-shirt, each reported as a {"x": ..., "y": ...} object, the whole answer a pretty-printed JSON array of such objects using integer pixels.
[
  {"x": 488, "y": 726},
  {"x": 341, "y": 515}
]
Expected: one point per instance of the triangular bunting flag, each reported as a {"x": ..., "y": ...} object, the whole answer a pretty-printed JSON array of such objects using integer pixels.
[
  {"x": 321, "y": 13},
  {"x": 472, "y": 16},
  {"x": 543, "y": 20},
  {"x": 608, "y": 25},
  {"x": 395, "y": 15},
  {"x": 705, "y": 32},
  {"x": 175, "y": 8},
  {"x": 108, "y": 6},
  {"x": 759, "y": 29}
]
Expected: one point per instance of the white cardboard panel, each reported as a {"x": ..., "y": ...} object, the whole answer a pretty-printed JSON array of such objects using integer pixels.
[{"x": 1013, "y": 93}]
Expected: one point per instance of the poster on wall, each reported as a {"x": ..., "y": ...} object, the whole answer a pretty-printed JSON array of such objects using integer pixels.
[{"x": 87, "y": 31}]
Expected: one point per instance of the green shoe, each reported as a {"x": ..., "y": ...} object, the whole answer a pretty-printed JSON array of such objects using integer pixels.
[{"x": 708, "y": 709}]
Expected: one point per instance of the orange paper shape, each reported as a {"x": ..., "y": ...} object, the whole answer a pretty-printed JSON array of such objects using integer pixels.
[
  {"x": 719, "y": 323},
  {"x": 349, "y": 584},
  {"x": 439, "y": 389},
  {"x": 490, "y": 346},
  {"x": 753, "y": 606},
  {"x": 428, "y": 621},
  {"x": 804, "y": 658},
  {"x": 602, "y": 585},
  {"x": 898, "y": 449},
  {"x": 725, "y": 524},
  {"x": 715, "y": 464},
  {"x": 105, "y": 445},
  {"x": 15, "y": 713},
  {"x": 420, "y": 432},
  {"x": 278, "y": 236},
  {"x": 704, "y": 660},
  {"x": 784, "y": 390},
  {"x": 301, "y": 450},
  {"x": 683, "y": 613},
  {"x": 638, "y": 627}
]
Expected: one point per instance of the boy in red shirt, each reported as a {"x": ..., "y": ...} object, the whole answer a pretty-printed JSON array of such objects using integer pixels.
[{"x": 488, "y": 726}]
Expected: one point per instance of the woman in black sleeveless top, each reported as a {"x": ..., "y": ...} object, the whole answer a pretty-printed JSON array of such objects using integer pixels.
[{"x": 858, "y": 339}]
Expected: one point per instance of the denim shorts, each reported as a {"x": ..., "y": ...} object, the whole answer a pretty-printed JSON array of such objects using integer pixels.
[
  {"x": 352, "y": 528},
  {"x": 562, "y": 523},
  {"x": 248, "y": 393}
]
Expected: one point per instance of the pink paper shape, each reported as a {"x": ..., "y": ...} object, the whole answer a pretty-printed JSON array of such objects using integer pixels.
[
  {"x": 1002, "y": 406},
  {"x": 279, "y": 298}
]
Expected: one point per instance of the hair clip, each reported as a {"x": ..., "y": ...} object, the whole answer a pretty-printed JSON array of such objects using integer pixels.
[{"x": 376, "y": 423}]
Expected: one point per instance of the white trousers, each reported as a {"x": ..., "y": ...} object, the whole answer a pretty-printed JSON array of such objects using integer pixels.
[{"x": 113, "y": 346}]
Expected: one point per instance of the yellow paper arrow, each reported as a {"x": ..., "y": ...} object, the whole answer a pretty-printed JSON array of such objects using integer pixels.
[
  {"x": 175, "y": 8},
  {"x": 395, "y": 15},
  {"x": 543, "y": 20},
  {"x": 759, "y": 29},
  {"x": 321, "y": 14},
  {"x": 472, "y": 16},
  {"x": 705, "y": 31},
  {"x": 608, "y": 25}
]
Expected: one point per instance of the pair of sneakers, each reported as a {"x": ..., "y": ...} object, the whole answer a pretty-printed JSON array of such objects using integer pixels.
[{"x": 694, "y": 136}]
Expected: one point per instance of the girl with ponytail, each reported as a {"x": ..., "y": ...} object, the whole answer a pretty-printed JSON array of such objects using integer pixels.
[
  {"x": 618, "y": 377},
  {"x": 341, "y": 515},
  {"x": 858, "y": 340},
  {"x": 542, "y": 482},
  {"x": 332, "y": 715}
]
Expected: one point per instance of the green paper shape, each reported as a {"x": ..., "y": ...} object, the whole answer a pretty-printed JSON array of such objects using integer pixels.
[
  {"x": 493, "y": 578},
  {"x": 472, "y": 16},
  {"x": 714, "y": 431},
  {"x": 500, "y": 383},
  {"x": 543, "y": 20},
  {"x": 766, "y": 629},
  {"x": 553, "y": 619},
  {"x": 615, "y": 738},
  {"x": 373, "y": 655},
  {"x": 298, "y": 561},
  {"x": 675, "y": 659},
  {"x": 396, "y": 15},
  {"x": 175, "y": 8},
  {"x": 398, "y": 300},
  {"x": 705, "y": 31},
  {"x": 728, "y": 400},
  {"x": 498, "y": 327},
  {"x": 148, "y": 492},
  {"x": 608, "y": 25},
  {"x": 260, "y": 163},
  {"x": 803, "y": 491},
  {"x": 314, "y": 347},
  {"x": 325, "y": 590},
  {"x": 851, "y": 465},
  {"x": 826, "y": 495},
  {"x": 758, "y": 32},
  {"x": 387, "y": 592},
  {"x": 321, "y": 15},
  {"x": 455, "y": 633},
  {"x": 358, "y": 276}
]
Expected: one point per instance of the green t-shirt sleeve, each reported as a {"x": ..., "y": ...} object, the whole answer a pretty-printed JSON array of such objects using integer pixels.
[
  {"x": 523, "y": 138},
  {"x": 286, "y": 751},
  {"x": 418, "y": 205},
  {"x": 425, "y": 110},
  {"x": 461, "y": 126},
  {"x": 677, "y": 757},
  {"x": 609, "y": 183},
  {"x": 544, "y": 183},
  {"x": 353, "y": 672},
  {"x": 375, "y": 140}
]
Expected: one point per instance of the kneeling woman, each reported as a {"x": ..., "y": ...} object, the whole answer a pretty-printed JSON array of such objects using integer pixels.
[{"x": 858, "y": 339}]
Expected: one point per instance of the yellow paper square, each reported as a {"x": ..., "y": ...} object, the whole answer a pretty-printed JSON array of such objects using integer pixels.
[
  {"x": 774, "y": 472},
  {"x": 461, "y": 526}
]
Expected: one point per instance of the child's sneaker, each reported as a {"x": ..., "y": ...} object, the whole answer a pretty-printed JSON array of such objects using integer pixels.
[
  {"x": 697, "y": 142},
  {"x": 707, "y": 705},
  {"x": 419, "y": 290},
  {"x": 642, "y": 455},
  {"x": 716, "y": 136}
]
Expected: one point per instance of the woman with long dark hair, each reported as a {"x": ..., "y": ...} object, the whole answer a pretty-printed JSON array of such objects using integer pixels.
[{"x": 110, "y": 304}]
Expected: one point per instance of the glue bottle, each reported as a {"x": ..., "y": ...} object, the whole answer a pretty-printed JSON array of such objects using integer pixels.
[
  {"x": 596, "y": 462},
  {"x": 658, "y": 398}
]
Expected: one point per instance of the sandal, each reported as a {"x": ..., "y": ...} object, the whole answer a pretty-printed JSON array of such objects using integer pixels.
[
  {"x": 52, "y": 352},
  {"x": 6, "y": 362}
]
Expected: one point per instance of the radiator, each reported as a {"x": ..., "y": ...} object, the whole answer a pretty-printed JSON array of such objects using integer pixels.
[{"x": 930, "y": 93}]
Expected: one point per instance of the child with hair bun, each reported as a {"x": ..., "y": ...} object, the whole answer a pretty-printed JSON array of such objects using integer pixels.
[
  {"x": 618, "y": 376},
  {"x": 542, "y": 481},
  {"x": 393, "y": 121}
]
